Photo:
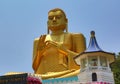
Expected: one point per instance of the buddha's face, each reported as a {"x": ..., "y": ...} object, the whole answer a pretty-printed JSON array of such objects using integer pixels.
[{"x": 56, "y": 21}]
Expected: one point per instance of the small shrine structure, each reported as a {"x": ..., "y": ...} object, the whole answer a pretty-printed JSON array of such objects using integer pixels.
[{"x": 95, "y": 64}]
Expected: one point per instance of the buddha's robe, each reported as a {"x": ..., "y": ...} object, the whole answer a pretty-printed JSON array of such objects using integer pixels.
[{"x": 55, "y": 53}]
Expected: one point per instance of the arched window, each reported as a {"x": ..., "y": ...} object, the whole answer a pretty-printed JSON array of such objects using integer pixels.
[{"x": 94, "y": 77}]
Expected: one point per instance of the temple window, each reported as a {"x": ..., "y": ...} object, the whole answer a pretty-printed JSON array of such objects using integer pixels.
[
  {"x": 103, "y": 61},
  {"x": 93, "y": 61}
]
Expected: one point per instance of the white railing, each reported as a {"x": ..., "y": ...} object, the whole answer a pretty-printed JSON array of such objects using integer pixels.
[{"x": 90, "y": 68}]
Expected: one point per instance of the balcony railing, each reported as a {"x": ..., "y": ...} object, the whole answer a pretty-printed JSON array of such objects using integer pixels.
[{"x": 91, "y": 68}]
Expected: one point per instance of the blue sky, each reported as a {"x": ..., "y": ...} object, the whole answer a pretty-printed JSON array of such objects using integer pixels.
[{"x": 21, "y": 21}]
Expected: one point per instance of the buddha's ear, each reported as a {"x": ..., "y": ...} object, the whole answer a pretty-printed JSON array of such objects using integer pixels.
[
  {"x": 47, "y": 22},
  {"x": 66, "y": 20},
  {"x": 66, "y": 25},
  {"x": 47, "y": 28}
]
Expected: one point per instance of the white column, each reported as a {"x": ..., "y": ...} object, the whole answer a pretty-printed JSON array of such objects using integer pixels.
[
  {"x": 87, "y": 62},
  {"x": 99, "y": 61},
  {"x": 108, "y": 63}
]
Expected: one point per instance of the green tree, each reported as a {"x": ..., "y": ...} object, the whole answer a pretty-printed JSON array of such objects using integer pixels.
[{"x": 115, "y": 66}]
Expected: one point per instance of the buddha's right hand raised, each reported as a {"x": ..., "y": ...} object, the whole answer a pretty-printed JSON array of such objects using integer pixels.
[{"x": 58, "y": 45}]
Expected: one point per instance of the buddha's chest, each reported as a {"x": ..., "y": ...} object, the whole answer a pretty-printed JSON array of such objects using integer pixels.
[{"x": 64, "y": 39}]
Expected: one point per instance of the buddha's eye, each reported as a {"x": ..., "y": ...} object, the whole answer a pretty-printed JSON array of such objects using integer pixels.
[
  {"x": 58, "y": 17},
  {"x": 50, "y": 17}
]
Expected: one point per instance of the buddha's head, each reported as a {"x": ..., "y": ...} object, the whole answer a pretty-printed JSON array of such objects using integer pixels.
[{"x": 57, "y": 20}]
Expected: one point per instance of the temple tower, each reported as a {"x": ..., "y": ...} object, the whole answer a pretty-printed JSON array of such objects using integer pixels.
[{"x": 94, "y": 63}]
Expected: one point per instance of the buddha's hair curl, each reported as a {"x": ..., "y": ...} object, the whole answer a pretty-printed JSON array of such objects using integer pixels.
[{"x": 57, "y": 9}]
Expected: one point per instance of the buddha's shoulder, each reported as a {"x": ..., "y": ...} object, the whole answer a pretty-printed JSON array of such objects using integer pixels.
[{"x": 75, "y": 34}]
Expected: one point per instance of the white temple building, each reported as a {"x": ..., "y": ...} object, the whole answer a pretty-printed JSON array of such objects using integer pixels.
[{"x": 94, "y": 63}]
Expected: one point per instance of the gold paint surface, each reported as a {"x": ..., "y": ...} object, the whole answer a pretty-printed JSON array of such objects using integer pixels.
[{"x": 53, "y": 53}]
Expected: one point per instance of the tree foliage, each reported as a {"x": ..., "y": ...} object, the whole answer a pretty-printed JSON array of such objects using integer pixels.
[{"x": 116, "y": 69}]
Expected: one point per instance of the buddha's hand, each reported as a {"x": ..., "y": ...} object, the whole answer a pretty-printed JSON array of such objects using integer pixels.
[
  {"x": 41, "y": 43},
  {"x": 50, "y": 43},
  {"x": 55, "y": 44}
]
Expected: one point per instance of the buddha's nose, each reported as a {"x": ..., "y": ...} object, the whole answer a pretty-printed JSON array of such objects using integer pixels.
[{"x": 54, "y": 19}]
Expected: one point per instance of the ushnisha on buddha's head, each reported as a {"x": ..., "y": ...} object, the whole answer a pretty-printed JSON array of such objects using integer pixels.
[{"x": 57, "y": 20}]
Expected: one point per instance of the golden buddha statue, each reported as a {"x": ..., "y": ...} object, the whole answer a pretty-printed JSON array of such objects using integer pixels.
[{"x": 53, "y": 53}]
